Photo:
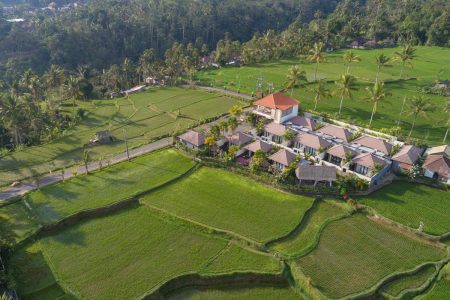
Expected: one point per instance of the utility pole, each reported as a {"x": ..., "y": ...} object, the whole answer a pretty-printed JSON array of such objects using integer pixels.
[
  {"x": 126, "y": 143},
  {"x": 401, "y": 111}
]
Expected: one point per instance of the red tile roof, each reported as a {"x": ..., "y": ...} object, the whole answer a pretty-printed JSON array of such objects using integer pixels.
[
  {"x": 438, "y": 163},
  {"x": 277, "y": 101}
]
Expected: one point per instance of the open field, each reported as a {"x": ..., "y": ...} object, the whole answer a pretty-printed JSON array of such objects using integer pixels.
[
  {"x": 431, "y": 64},
  {"x": 311, "y": 226},
  {"x": 256, "y": 293},
  {"x": 409, "y": 282},
  {"x": 16, "y": 222},
  {"x": 441, "y": 288},
  {"x": 409, "y": 204},
  {"x": 355, "y": 253},
  {"x": 145, "y": 116},
  {"x": 107, "y": 186},
  {"x": 231, "y": 202}
]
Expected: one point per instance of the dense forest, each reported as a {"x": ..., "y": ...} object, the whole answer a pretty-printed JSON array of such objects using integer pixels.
[{"x": 105, "y": 46}]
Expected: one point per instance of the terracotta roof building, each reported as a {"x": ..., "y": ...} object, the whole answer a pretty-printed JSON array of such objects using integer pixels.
[
  {"x": 303, "y": 122},
  {"x": 406, "y": 157},
  {"x": 192, "y": 139},
  {"x": 309, "y": 143},
  {"x": 336, "y": 131},
  {"x": 277, "y": 107},
  {"x": 374, "y": 143},
  {"x": 239, "y": 138},
  {"x": 437, "y": 166},
  {"x": 337, "y": 154},
  {"x": 282, "y": 159},
  {"x": 365, "y": 162},
  {"x": 274, "y": 132},
  {"x": 258, "y": 145},
  {"x": 444, "y": 149}
]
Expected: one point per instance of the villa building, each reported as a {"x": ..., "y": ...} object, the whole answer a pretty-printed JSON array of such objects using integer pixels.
[
  {"x": 274, "y": 132},
  {"x": 406, "y": 158},
  {"x": 277, "y": 107},
  {"x": 338, "y": 154},
  {"x": 309, "y": 143},
  {"x": 192, "y": 139},
  {"x": 437, "y": 165},
  {"x": 282, "y": 159},
  {"x": 258, "y": 146},
  {"x": 374, "y": 145},
  {"x": 339, "y": 134},
  {"x": 303, "y": 122},
  {"x": 365, "y": 164}
]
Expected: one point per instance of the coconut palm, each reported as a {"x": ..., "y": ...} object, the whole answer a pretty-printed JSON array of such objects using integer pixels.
[
  {"x": 349, "y": 58},
  {"x": 381, "y": 61},
  {"x": 223, "y": 127},
  {"x": 317, "y": 56},
  {"x": 11, "y": 112},
  {"x": 447, "y": 111},
  {"x": 419, "y": 106},
  {"x": 232, "y": 123},
  {"x": 236, "y": 110},
  {"x": 320, "y": 91},
  {"x": 294, "y": 77},
  {"x": 73, "y": 88},
  {"x": 210, "y": 142},
  {"x": 376, "y": 95},
  {"x": 345, "y": 86},
  {"x": 405, "y": 56},
  {"x": 127, "y": 68},
  {"x": 86, "y": 160}
]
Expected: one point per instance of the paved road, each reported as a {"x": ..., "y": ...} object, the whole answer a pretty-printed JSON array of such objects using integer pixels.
[
  {"x": 26, "y": 187},
  {"x": 223, "y": 91}
]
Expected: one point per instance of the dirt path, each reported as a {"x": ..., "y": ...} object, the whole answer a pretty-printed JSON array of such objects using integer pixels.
[{"x": 28, "y": 186}]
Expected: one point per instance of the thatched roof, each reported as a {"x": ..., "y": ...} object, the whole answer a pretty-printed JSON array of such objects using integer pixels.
[{"x": 316, "y": 173}]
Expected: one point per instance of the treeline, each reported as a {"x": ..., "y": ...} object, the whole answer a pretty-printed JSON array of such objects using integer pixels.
[{"x": 105, "y": 32}]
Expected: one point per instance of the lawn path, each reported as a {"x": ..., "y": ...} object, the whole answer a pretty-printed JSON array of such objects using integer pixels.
[{"x": 26, "y": 187}]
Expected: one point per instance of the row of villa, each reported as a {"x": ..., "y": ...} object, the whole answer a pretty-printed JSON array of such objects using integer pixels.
[{"x": 326, "y": 149}]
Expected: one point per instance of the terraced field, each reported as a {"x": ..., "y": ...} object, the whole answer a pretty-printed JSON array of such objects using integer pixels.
[
  {"x": 441, "y": 289},
  {"x": 395, "y": 288},
  {"x": 355, "y": 253},
  {"x": 312, "y": 225},
  {"x": 144, "y": 117},
  {"x": 231, "y": 202},
  {"x": 257, "y": 293},
  {"x": 16, "y": 222},
  {"x": 410, "y": 204}
]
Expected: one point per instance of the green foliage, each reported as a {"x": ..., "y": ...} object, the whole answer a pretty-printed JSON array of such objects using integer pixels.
[{"x": 258, "y": 161}]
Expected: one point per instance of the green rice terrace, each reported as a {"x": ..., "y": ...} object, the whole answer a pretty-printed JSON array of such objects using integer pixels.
[
  {"x": 142, "y": 117},
  {"x": 162, "y": 226},
  {"x": 430, "y": 65}
]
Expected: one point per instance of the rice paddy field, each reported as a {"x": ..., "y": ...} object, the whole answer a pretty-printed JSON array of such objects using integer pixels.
[
  {"x": 257, "y": 293},
  {"x": 441, "y": 288},
  {"x": 410, "y": 204},
  {"x": 16, "y": 222},
  {"x": 430, "y": 65},
  {"x": 395, "y": 288},
  {"x": 231, "y": 202},
  {"x": 355, "y": 253},
  {"x": 310, "y": 229},
  {"x": 142, "y": 117}
]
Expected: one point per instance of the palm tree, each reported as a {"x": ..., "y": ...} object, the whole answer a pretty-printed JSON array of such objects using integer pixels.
[
  {"x": 73, "y": 88},
  {"x": 405, "y": 56},
  {"x": 293, "y": 78},
  {"x": 349, "y": 58},
  {"x": 86, "y": 159},
  {"x": 236, "y": 110},
  {"x": 127, "y": 68},
  {"x": 381, "y": 61},
  {"x": 345, "y": 86},
  {"x": 210, "y": 141},
  {"x": 419, "y": 106},
  {"x": 320, "y": 91},
  {"x": 447, "y": 111},
  {"x": 232, "y": 123},
  {"x": 11, "y": 110},
  {"x": 223, "y": 127},
  {"x": 317, "y": 56},
  {"x": 376, "y": 95}
]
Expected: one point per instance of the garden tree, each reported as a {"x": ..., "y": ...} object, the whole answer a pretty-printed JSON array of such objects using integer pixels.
[
  {"x": 146, "y": 64},
  {"x": 288, "y": 136},
  {"x": 382, "y": 61},
  {"x": 11, "y": 115},
  {"x": 72, "y": 88},
  {"x": 223, "y": 125},
  {"x": 405, "y": 56},
  {"x": 232, "y": 123},
  {"x": 260, "y": 127},
  {"x": 376, "y": 168},
  {"x": 316, "y": 56},
  {"x": 210, "y": 142},
  {"x": 86, "y": 160},
  {"x": 345, "y": 86},
  {"x": 236, "y": 111},
  {"x": 294, "y": 77},
  {"x": 376, "y": 95},
  {"x": 215, "y": 131},
  {"x": 112, "y": 78},
  {"x": 419, "y": 106},
  {"x": 127, "y": 68},
  {"x": 447, "y": 121},
  {"x": 320, "y": 91},
  {"x": 348, "y": 157},
  {"x": 226, "y": 50},
  {"x": 231, "y": 154},
  {"x": 258, "y": 161},
  {"x": 349, "y": 58}
]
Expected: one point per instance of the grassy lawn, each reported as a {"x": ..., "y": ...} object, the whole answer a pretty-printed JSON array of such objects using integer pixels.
[
  {"x": 355, "y": 253},
  {"x": 410, "y": 204},
  {"x": 110, "y": 185},
  {"x": 256, "y": 293},
  {"x": 144, "y": 117},
  {"x": 409, "y": 282},
  {"x": 16, "y": 222},
  {"x": 308, "y": 233},
  {"x": 234, "y": 259},
  {"x": 231, "y": 202},
  {"x": 431, "y": 64}
]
